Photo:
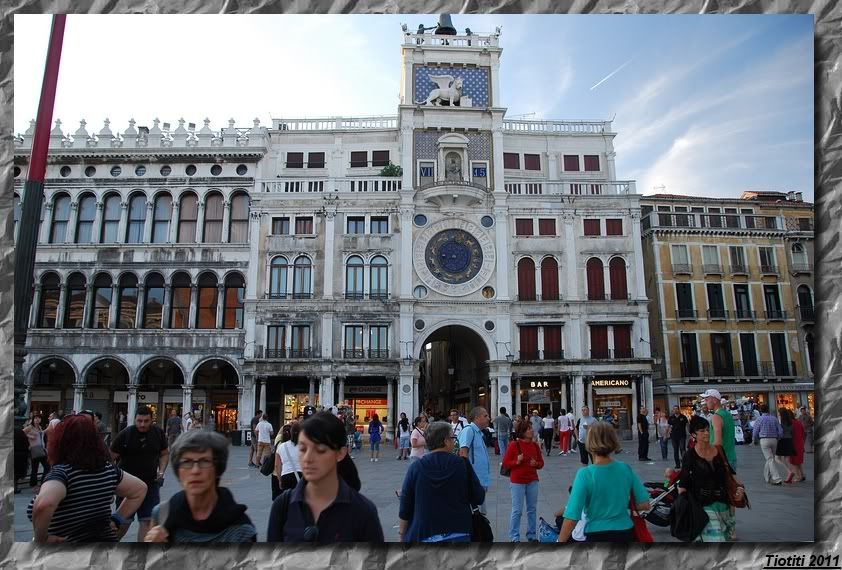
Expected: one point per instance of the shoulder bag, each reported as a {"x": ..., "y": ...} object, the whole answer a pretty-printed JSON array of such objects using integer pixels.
[
  {"x": 639, "y": 529},
  {"x": 480, "y": 525},
  {"x": 732, "y": 484},
  {"x": 505, "y": 472},
  {"x": 268, "y": 465}
]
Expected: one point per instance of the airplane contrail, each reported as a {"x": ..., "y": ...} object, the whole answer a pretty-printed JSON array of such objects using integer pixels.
[{"x": 609, "y": 76}]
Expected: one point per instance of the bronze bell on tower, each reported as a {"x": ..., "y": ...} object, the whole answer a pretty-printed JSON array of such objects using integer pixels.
[{"x": 445, "y": 26}]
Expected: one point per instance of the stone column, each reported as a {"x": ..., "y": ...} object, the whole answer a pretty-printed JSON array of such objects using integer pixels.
[
  {"x": 141, "y": 294},
  {"x": 538, "y": 283},
  {"x": 405, "y": 258},
  {"x": 416, "y": 395},
  {"x": 132, "y": 405},
  {"x": 147, "y": 222},
  {"x": 578, "y": 394},
  {"x": 634, "y": 410},
  {"x": 167, "y": 306},
  {"x": 262, "y": 381},
  {"x": 174, "y": 220},
  {"x": 390, "y": 405},
  {"x": 36, "y": 305},
  {"x": 497, "y": 157},
  {"x": 589, "y": 390},
  {"x": 639, "y": 289},
  {"x": 226, "y": 221},
  {"x": 330, "y": 229},
  {"x": 78, "y": 396},
  {"x": 62, "y": 305},
  {"x": 220, "y": 304},
  {"x": 89, "y": 306},
  {"x": 96, "y": 229},
  {"x": 200, "y": 222},
  {"x": 492, "y": 397},
  {"x": 341, "y": 397},
  {"x": 501, "y": 235},
  {"x": 246, "y": 404},
  {"x": 564, "y": 403},
  {"x": 70, "y": 229},
  {"x": 648, "y": 397},
  {"x": 312, "y": 392},
  {"x": 113, "y": 315},
  {"x": 405, "y": 394},
  {"x": 570, "y": 258},
  {"x": 47, "y": 223},
  {"x": 186, "y": 399},
  {"x": 124, "y": 219},
  {"x": 518, "y": 402},
  {"x": 504, "y": 392},
  {"x": 326, "y": 392},
  {"x": 194, "y": 306}
]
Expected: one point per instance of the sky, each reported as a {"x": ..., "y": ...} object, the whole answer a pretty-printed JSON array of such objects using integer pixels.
[{"x": 707, "y": 105}]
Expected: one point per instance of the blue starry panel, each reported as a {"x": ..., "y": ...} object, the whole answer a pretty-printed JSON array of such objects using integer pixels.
[
  {"x": 475, "y": 83},
  {"x": 479, "y": 145}
]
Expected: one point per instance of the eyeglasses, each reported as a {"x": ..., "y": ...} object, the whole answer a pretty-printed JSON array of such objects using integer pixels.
[{"x": 188, "y": 464}]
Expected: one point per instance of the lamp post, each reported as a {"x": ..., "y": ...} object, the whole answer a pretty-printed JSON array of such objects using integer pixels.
[{"x": 509, "y": 356}]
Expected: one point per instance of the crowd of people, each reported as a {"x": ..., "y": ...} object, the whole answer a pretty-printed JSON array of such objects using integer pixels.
[{"x": 315, "y": 486}]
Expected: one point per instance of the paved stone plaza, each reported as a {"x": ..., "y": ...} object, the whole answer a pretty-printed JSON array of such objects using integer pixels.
[{"x": 763, "y": 523}]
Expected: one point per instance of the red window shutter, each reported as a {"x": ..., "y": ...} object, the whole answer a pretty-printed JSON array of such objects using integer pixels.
[
  {"x": 549, "y": 279},
  {"x": 359, "y": 159},
  {"x": 599, "y": 341},
  {"x": 591, "y": 163},
  {"x": 571, "y": 163},
  {"x": 592, "y": 227},
  {"x": 526, "y": 279},
  {"x": 614, "y": 227},
  {"x": 596, "y": 280},
  {"x": 523, "y": 227},
  {"x": 295, "y": 160},
  {"x": 528, "y": 343},
  {"x": 617, "y": 274},
  {"x": 379, "y": 158},
  {"x": 552, "y": 342},
  {"x": 511, "y": 160},
  {"x": 546, "y": 227},
  {"x": 622, "y": 341},
  {"x": 315, "y": 160},
  {"x": 532, "y": 162}
]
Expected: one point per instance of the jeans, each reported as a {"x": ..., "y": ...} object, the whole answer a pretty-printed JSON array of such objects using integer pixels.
[
  {"x": 529, "y": 491},
  {"x": 503, "y": 442},
  {"x": 679, "y": 448},
  {"x": 583, "y": 453},
  {"x": 643, "y": 445},
  {"x": 33, "y": 473},
  {"x": 771, "y": 471},
  {"x": 664, "y": 448},
  {"x": 547, "y": 436}
]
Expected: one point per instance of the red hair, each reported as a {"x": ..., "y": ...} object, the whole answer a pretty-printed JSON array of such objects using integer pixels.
[{"x": 75, "y": 441}]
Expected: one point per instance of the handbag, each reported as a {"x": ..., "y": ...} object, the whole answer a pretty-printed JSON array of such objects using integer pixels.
[
  {"x": 480, "y": 525},
  {"x": 688, "y": 518},
  {"x": 37, "y": 452},
  {"x": 639, "y": 529},
  {"x": 504, "y": 471},
  {"x": 268, "y": 464},
  {"x": 547, "y": 532},
  {"x": 731, "y": 485}
]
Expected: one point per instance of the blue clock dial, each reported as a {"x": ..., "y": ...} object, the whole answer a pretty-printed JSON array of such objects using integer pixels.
[{"x": 454, "y": 256}]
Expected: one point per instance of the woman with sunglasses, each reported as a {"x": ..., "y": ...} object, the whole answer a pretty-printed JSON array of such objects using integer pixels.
[
  {"x": 202, "y": 511},
  {"x": 326, "y": 505}
]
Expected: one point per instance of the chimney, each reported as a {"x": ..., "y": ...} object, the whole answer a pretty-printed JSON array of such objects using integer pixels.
[{"x": 799, "y": 197}]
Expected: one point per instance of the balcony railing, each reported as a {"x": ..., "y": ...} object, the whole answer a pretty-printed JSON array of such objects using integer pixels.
[
  {"x": 690, "y": 370},
  {"x": 739, "y": 269},
  {"x": 717, "y": 314},
  {"x": 807, "y": 313},
  {"x": 378, "y": 353},
  {"x": 699, "y": 220},
  {"x": 302, "y": 295},
  {"x": 303, "y": 185},
  {"x": 300, "y": 352},
  {"x": 354, "y": 295},
  {"x": 686, "y": 314},
  {"x": 612, "y": 354},
  {"x": 682, "y": 268},
  {"x": 569, "y": 188},
  {"x": 596, "y": 296},
  {"x": 727, "y": 369},
  {"x": 531, "y": 356},
  {"x": 288, "y": 353},
  {"x": 745, "y": 315},
  {"x": 776, "y": 315},
  {"x": 780, "y": 368},
  {"x": 801, "y": 268},
  {"x": 769, "y": 270},
  {"x": 737, "y": 369},
  {"x": 276, "y": 353},
  {"x": 353, "y": 353},
  {"x": 712, "y": 269}
]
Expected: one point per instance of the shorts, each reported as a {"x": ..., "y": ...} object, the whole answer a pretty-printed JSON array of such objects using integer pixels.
[
  {"x": 150, "y": 501},
  {"x": 375, "y": 445},
  {"x": 404, "y": 442}
]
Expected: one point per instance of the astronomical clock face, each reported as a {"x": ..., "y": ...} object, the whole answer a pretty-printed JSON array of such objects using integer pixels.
[{"x": 454, "y": 257}]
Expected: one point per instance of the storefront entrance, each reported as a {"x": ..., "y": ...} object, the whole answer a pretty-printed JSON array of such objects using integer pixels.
[
  {"x": 50, "y": 383},
  {"x": 218, "y": 379}
]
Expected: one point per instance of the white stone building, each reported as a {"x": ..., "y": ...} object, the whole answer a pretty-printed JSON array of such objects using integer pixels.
[{"x": 502, "y": 267}]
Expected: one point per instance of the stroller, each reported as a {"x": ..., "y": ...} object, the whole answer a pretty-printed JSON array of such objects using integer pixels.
[{"x": 660, "y": 507}]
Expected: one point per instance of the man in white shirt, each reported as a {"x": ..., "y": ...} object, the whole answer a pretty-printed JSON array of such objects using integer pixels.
[
  {"x": 264, "y": 437},
  {"x": 457, "y": 422}
]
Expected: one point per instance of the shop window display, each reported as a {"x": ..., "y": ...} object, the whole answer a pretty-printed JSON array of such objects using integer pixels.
[{"x": 786, "y": 400}]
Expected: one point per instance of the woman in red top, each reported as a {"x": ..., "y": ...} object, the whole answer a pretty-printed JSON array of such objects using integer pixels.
[{"x": 523, "y": 458}]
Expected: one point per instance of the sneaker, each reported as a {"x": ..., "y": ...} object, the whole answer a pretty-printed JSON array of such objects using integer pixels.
[
  {"x": 375, "y": 460},
  {"x": 561, "y": 453},
  {"x": 371, "y": 459}
]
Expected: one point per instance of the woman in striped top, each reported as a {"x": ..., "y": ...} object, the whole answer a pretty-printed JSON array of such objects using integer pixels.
[{"x": 74, "y": 504}]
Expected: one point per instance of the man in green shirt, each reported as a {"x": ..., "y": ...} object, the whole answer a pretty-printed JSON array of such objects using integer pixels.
[{"x": 722, "y": 426}]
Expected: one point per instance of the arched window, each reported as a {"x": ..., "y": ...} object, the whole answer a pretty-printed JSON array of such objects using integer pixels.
[
  {"x": 161, "y": 214},
  {"x": 153, "y": 301},
  {"x": 180, "y": 306},
  {"x": 137, "y": 219},
  {"x": 799, "y": 257},
  {"x": 805, "y": 303},
  {"x": 208, "y": 301},
  {"x": 302, "y": 268},
  {"x": 354, "y": 271},
  {"x": 213, "y": 218},
  {"x": 110, "y": 219},
  {"x": 379, "y": 278},
  {"x": 127, "y": 301},
  {"x": 85, "y": 223},
  {"x": 61, "y": 214},
  {"x": 239, "y": 225},
  {"x": 50, "y": 293},
  {"x": 278, "y": 277},
  {"x": 17, "y": 215},
  {"x": 617, "y": 276},
  {"x": 74, "y": 307},
  {"x": 526, "y": 279},
  {"x": 596, "y": 279},
  {"x": 102, "y": 301},
  {"x": 187, "y": 215},
  {"x": 235, "y": 290},
  {"x": 549, "y": 279}
]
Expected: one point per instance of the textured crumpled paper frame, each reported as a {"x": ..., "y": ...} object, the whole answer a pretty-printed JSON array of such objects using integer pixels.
[{"x": 828, "y": 140}]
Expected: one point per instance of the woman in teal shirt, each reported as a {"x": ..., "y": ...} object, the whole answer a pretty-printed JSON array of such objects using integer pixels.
[{"x": 604, "y": 491}]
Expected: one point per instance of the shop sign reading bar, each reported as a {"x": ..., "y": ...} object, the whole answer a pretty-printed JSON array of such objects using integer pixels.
[
  {"x": 606, "y": 383},
  {"x": 539, "y": 384}
]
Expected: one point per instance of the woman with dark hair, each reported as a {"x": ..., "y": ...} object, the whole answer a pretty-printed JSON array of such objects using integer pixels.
[
  {"x": 704, "y": 475},
  {"x": 438, "y": 491},
  {"x": 403, "y": 436},
  {"x": 375, "y": 430},
  {"x": 325, "y": 506},
  {"x": 786, "y": 446},
  {"x": 37, "y": 450},
  {"x": 74, "y": 504},
  {"x": 287, "y": 465},
  {"x": 417, "y": 440},
  {"x": 202, "y": 511},
  {"x": 523, "y": 459}
]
